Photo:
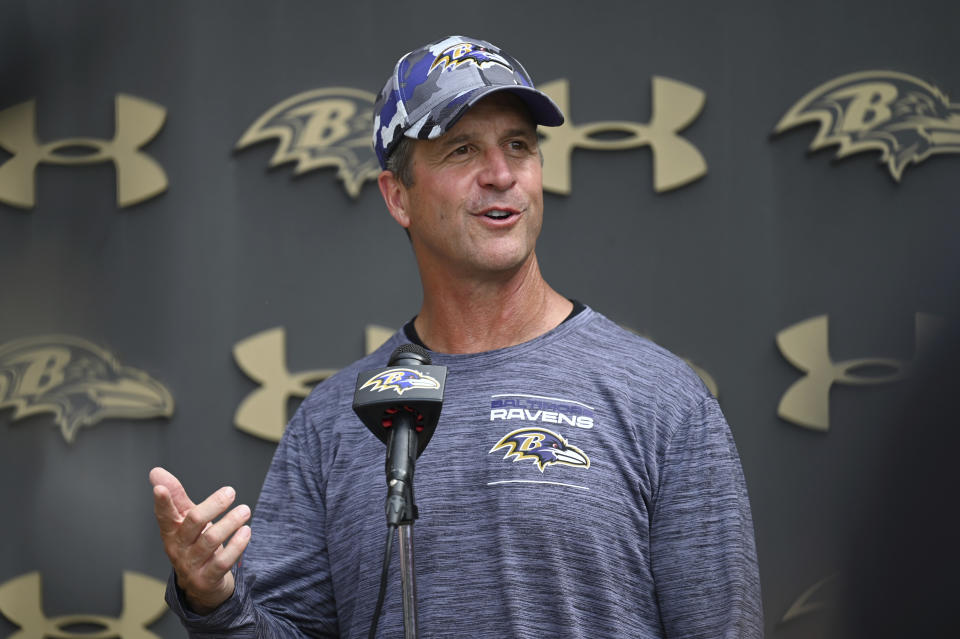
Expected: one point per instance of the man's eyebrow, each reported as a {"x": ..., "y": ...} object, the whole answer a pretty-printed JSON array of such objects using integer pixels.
[
  {"x": 456, "y": 140},
  {"x": 528, "y": 134},
  {"x": 521, "y": 133},
  {"x": 445, "y": 143}
]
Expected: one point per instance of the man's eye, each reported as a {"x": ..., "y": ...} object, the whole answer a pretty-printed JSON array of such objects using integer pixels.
[{"x": 460, "y": 150}]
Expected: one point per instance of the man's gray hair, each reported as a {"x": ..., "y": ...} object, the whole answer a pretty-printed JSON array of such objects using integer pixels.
[{"x": 400, "y": 161}]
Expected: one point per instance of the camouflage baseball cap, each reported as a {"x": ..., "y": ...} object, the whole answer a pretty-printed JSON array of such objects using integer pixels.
[{"x": 433, "y": 86}]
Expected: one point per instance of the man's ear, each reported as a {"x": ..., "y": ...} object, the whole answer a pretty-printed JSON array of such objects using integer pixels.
[{"x": 395, "y": 196}]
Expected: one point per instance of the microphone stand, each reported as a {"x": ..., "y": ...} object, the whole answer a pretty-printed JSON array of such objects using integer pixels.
[
  {"x": 408, "y": 582},
  {"x": 401, "y": 406},
  {"x": 402, "y": 510}
]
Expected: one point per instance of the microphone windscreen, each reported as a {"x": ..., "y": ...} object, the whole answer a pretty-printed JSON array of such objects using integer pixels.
[{"x": 410, "y": 355}]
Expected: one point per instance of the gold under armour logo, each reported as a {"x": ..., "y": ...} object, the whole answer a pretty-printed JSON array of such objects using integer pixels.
[
  {"x": 676, "y": 161},
  {"x": 21, "y": 601},
  {"x": 814, "y": 599},
  {"x": 139, "y": 177},
  {"x": 806, "y": 345},
  {"x": 263, "y": 413}
]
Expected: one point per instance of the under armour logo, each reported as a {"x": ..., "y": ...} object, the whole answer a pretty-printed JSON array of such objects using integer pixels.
[
  {"x": 139, "y": 177},
  {"x": 21, "y": 601},
  {"x": 263, "y": 413},
  {"x": 676, "y": 161},
  {"x": 806, "y": 346},
  {"x": 814, "y": 599}
]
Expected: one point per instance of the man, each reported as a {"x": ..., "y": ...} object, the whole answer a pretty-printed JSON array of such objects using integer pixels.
[{"x": 581, "y": 483}]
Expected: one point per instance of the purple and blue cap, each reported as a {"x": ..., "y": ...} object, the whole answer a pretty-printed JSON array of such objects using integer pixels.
[{"x": 433, "y": 86}]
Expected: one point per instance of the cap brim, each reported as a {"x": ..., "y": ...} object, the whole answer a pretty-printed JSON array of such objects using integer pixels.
[{"x": 543, "y": 110}]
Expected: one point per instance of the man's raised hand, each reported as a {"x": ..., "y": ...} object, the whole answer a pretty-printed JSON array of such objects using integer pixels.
[{"x": 194, "y": 543}]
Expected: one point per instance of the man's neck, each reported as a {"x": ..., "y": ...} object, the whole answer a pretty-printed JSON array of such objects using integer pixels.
[{"x": 472, "y": 316}]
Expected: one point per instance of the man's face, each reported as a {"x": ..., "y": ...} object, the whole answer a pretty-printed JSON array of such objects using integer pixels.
[{"x": 475, "y": 206}]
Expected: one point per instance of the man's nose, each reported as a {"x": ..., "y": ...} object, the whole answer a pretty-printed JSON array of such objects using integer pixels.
[{"x": 497, "y": 171}]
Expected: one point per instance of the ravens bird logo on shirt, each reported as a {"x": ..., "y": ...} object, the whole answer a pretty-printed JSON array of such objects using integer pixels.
[
  {"x": 77, "y": 381},
  {"x": 544, "y": 447},
  {"x": 903, "y": 117}
]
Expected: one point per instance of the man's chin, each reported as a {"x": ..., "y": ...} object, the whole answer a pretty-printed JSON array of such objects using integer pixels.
[{"x": 504, "y": 262}]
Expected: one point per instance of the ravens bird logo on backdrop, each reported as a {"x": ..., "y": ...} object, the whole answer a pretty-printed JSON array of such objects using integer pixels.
[
  {"x": 901, "y": 116},
  {"x": 544, "y": 447},
  {"x": 77, "y": 381},
  {"x": 322, "y": 128}
]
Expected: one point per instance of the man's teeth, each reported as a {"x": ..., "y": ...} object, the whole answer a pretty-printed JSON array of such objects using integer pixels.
[{"x": 498, "y": 215}]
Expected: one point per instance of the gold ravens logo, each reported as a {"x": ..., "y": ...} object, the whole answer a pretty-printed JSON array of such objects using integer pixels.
[
  {"x": 77, "y": 381},
  {"x": 903, "y": 117},
  {"x": 319, "y": 129}
]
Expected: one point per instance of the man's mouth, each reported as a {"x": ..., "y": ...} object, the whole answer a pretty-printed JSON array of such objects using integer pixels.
[{"x": 497, "y": 214}]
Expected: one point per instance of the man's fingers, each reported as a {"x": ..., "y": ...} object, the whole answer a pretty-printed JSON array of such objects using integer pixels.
[
  {"x": 161, "y": 477},
  {"x": 224, "y": 559},
  {"x": 168, "y": 519},
  {"x": 199, "y": 516},
  {"x": 210, "y": 568},
  {"x": 214, "y": 535},
  {"x": 210, "y": 584}
]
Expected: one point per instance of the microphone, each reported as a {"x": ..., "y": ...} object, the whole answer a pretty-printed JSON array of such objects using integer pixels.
[{"x": 401, "y": 406}]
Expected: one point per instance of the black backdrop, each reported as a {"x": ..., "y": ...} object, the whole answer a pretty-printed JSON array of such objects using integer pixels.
[{"x": 771, "y": 236}]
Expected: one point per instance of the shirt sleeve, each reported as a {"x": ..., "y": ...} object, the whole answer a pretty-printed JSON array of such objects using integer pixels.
[
  {"x": 283, "y": 586},
  {"x": 702, "y": 551}
]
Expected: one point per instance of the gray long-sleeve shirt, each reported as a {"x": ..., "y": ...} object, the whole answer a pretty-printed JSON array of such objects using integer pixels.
[{"x": 641, "y": 529}]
